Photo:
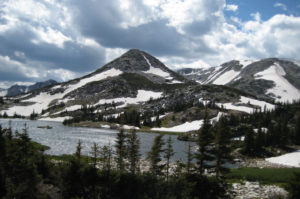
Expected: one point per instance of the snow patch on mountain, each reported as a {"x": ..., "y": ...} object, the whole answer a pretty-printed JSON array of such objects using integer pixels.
[
  {"x": 283, "y": 90},
  {"x": 226, "y": 77},
  {"x": 97, "y": 77},
  {"x": 261, "y": 104},
  {"x": 3, "y": 93},
  {"x": 185, "y": 127},
  {"x": 156, "y": 71},
  {"x": 142, "y": 96},
  {"x": 242, "y": 105},
  {"x": 288, "y": 159},
  {"x": 245, "y": 63},
  {"x": 55, "y": 119}
]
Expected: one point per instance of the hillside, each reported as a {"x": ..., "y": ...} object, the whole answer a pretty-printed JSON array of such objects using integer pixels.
[
  {"x": 272, "y": 78},
  {"x": 134, "y": 81}
]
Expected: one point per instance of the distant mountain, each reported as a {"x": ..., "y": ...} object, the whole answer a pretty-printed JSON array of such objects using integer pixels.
[
  {"x": 139, "y": 81},
  {"x": 21, "y": 89},
  {"x": 271, "y": 78},
  {"x": 3, "y": 92}
]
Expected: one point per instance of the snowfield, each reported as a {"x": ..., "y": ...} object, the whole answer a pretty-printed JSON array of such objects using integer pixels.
[
  {"x": 43, "y": 100},
  {"x": 142, "y": 96},
  {"x": 159, "y": 72},
  {"x": 226, "y": 77},
  {"x": 283, "y": 90},
  {"x": 183, "y": 128},
  {"x": 289, "y": 159},
  {"x": 56, "y": 119},
  {"x": 241, "y": 106}
]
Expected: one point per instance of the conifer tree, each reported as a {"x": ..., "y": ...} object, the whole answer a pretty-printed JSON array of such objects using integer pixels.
[
  {"x": 168, "y": 153},
  {"x": 154, "y": 155},
  {"x": 189, "y": 159},
  {"x": 204, "y": 142},
  {"x": 95, "y": 154},
  {"x": 297, "y": 130},
  {"x": 133, "y": 147},
  {"x": 78, "y": 151},
  {"x": 121, "y": 150},
  {"x": 106, "y": 157},
  {"x": 222, "y": 147},
  {"x": 249, "y": 143}
]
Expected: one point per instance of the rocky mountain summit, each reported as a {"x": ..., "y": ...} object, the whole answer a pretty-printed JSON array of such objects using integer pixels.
[
  {"x": 272, "y": 78},
  {"x": 137, "y": 81}
]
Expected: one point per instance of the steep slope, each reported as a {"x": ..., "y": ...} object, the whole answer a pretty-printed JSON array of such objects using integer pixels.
[
  {"x": 272, "y": 78},
  {"x": 132, "y": 78}
]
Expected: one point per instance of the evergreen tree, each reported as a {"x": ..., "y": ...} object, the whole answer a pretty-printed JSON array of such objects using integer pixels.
[
  {"x": 1, "y": 100},
  {"x": 204, "y": 143},
  {"x": 121, "y": 150},
  {"x": 133, "y": 147},
  {"x": 189, "y": 159},
  {"x": 297, "y": 130},
  {"x": 95, "y": 154},
  {"x": 78, "y": 151},
  {"x": 106, "y": 157},
  {"x": 249, "y": 142},
  {"x": 168, "y": 153},
  {"x": 222, "y": 146},
  {"x": 154, "y": 155}
]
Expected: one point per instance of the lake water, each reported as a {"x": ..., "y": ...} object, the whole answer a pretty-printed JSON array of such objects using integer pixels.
[{"x": 63, "y": 139}]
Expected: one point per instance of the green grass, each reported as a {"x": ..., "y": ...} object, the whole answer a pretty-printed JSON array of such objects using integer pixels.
[{"x": 264, "y": 175}]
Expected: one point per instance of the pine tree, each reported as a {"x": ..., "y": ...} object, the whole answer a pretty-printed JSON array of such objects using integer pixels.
[
  {"x": 154, "y": 155},
  {"x": 249, "y": 143},
  {"x": 106, "y": 157},
  {"x": 189, "y": 159},
  {"x": 78, "y": 151},
  {"x": 297, "y": 130},
  {"x": 168, "y": 153},
  {"x": 133, "y": 147},
  {"x": 121, "y": 150},
  {"x": 204, "y": 143},
  {"x": 222, "y": 147},
  {"x": 95, "y": 154}
]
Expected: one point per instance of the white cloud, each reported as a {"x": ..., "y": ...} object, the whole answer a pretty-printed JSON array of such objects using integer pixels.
[
  {"x": 231, "y": 7},
  {"x": 281, "y": 5},
  {"x": 51, "y": 36}
]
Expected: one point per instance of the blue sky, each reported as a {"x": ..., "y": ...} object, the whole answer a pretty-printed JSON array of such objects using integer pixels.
[
  {"x": 64, "y": 39},
  {"x": 266, "y": 8}
]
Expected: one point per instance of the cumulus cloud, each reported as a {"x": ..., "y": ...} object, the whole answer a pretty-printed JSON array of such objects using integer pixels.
[
  {"x": 232, "y": 7},
  {"x": 66, "y": 39},
  {"x": 281, "y": 5}
]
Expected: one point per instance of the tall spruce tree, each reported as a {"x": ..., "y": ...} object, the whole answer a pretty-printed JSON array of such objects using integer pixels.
[
  {"x": 121, "y": 150},
  {"x": 95, "y": 154},
  {"x": 168, "y": 153},
  {"x": 189, "y": 159},
  {"x": 205, "y": 139},
  {"x": 222, "y": 147},
  {"x": 154, "y": 155},
  {"x": 133, "y": 149},
  {"x": 106, "y": 157}
]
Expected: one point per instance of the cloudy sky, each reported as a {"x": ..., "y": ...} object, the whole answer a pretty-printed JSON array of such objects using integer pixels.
[{"x": 63, "y": 39}]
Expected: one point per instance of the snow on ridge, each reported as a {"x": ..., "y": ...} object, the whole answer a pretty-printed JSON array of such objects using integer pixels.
[
  {"x": 42, "y": 100},
  {"x": 3, "y": 93},
  {"x": 142, "y": 96},
  {"x": 240, "y": 106},
  {"x": 261, "y": 104},
  {"x": 245, "y": 63},
  {"x": 288, "y": 159},
  {"x": 283, "y": 90},
  {"x": 56, "y": 119},
  {"x": 226, "y": 77},
  {"x": 185, "y": 127},
  {"x": 188, "y": 126},
  {"x": 156, "y": 71}
]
